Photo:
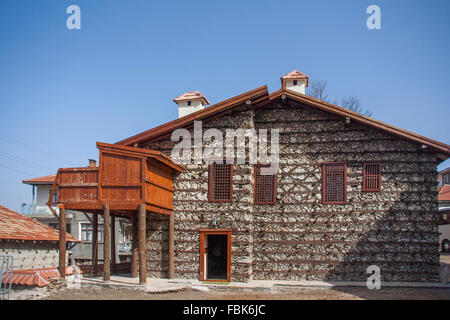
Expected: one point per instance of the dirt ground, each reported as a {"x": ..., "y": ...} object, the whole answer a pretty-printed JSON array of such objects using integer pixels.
[
  {"x": 88, "y": 293},
  {"x": 347, "y": 293}
]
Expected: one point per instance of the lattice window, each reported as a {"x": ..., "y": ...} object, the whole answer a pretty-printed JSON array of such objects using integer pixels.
[
  {"x": 220, "y": 182},
  {"x": 265, "y": 186},
  {"x": 372, "y": 177},
  {"x": 334, "y": 183}
]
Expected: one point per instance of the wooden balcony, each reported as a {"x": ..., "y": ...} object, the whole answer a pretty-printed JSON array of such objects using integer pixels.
[{"x": 125, "y": 178}]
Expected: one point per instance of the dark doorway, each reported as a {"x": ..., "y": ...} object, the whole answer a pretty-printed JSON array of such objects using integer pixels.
[{"x": 217, "y": 257}]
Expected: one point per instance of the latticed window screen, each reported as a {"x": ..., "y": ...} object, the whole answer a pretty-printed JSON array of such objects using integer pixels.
[
  {"x": 372, "y": 177},
  {"x": 265, "y": 186},
  {"x": 220, "y": 182},
  {"x": 334, "y": 180}
]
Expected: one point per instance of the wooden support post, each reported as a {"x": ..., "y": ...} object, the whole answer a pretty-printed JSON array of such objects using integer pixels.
[
  {"x": 94, "y": 243},
  {"x": 106, "y": 244},
  {"x": 113, "y": 242},
  {"x": 171, "y": 246},
  {"x": 62, "y": 242},
  {"x": 134, "y": 247},
  {"x": 142, "y": 240}
]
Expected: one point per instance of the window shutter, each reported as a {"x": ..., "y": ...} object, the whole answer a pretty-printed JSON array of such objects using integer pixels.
[
  {"x": 372, "y": 177},
  {"x": 334, "y": 183},
  {"x": 265, "y": 186},
  {"x": 220, "y": 182}
]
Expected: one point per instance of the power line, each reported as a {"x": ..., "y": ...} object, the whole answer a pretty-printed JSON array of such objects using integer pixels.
[
  {"x": 34, "y": 148},
  {"x": 27, "y": 162},
  {"x": 17, "y": 170}
]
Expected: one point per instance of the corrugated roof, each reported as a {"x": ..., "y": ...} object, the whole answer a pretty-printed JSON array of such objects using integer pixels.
[
  {"x": 41, "y": 180},
  {"x": 36, "y": 277},
  {"x": 15, "y": 226},
  {"x": 444, "y": 193}
]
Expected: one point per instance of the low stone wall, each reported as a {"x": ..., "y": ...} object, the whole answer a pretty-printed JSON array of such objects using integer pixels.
[{"x": 31, "y": 254}]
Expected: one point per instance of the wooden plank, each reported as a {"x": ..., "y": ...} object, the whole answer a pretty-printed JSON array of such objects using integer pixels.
[
  {"x": 142, "y": 248},
  {"x": 94, "y": 243},
  {"x": 171, "y": 247},
  {"x": 134, "y": 248},
  {"x": 62, "y": 242},
  {"x": 106, "y": 244},
  {"x": 113, "y": 242}
]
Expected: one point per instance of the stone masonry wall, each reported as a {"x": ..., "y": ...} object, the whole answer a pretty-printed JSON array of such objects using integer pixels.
[
  {"x": 31, "y": 254},
  {"x": 299, "y": 237}
]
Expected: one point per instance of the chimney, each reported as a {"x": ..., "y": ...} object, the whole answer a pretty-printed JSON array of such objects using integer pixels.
[
  {"x": 295, "y": 81},
  {"x": 190, "y": 102},
  {"x": 92, "y": 163}
]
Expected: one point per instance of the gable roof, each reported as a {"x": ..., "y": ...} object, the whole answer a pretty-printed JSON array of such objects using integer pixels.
[
  {"x": 252, "y": 96},
  {"x": 15, "y": 226},
  {"x": 259, "y": 98},
  {"x": 440, "y": 147},
  {"x": 444, "y": 193},
  {"x": 41, "y": 180}
]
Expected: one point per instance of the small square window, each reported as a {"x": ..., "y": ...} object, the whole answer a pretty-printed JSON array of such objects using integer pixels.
[
  {"x": 265, "y": 186},
  {"x": 334, "y": 183},
  {"x": 295, "y": 82},
  {"x": 189, "y": 103},
  {"x": 371, "y": 177},
  {"x": 220, "y": 182}
]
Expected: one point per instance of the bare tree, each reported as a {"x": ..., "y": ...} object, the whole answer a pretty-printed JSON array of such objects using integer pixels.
[
  {"x": 352, "y": 104},
  {"x": 317, "y": 89}
]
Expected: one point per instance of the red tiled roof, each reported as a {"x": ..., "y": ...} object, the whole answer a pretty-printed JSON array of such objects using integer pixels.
[
  {"x": 15, "y": 226},
  {"x": 36, "y": 277},
  {"x": 444, "y": 193},
  {"x": 295, "y": 74},
  {"x": 190, "y": 96},
  {"x": 41, "y": 180}
]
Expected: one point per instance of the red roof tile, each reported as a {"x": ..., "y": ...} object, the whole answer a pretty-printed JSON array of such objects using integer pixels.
[
  {"x": 35, "y": 277},
  {"x": 444, "y": 193},
  {"x": 295, "y": 74},
  {"x": 15, "y": 226},
  {"x": 41, "y": 180},
  {"x": 190, "y": 96}
]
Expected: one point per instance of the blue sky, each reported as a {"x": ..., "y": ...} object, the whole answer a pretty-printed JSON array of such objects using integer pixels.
[{"x": 61, "y": 90}]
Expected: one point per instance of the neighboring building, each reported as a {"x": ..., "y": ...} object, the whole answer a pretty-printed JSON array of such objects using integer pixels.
[
  {"x": 32, "y": 244},
  {"x": 444, "y": 177},
  {"x": 78, "y": 224},
  {"x": 444, "y": 224},
  {"x": 350, "y": 192}
]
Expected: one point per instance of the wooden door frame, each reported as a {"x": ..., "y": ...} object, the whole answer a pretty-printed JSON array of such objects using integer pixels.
[{"x": 206, "y": 232}]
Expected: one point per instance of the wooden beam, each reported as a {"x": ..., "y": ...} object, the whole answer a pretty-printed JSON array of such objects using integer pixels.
[
  {"x": 113, "y": 242},
  {"x": 142, "y": 249},
  {"x": 94, "y": 243},
  {"x": 106, "y": 244},
  {"x": 62, "y": 242},
  {"x": 134, "y": 247},
  {"x": 87, "y": 217},
  {"x": 171, "y": 246}
]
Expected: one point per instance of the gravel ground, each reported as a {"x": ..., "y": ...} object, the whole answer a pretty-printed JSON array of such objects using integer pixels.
[{"x": 89, "y": 293}]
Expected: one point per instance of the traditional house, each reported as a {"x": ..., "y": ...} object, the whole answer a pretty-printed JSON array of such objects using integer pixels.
[
  {"x": 347, "y": 192},
  {"x": 32, "y": 244}
]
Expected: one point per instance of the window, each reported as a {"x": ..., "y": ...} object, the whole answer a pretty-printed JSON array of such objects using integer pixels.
[
  {"x": 56, "y": 226},
  {"x": 447, "y": 179},
  {"x": 265, "y": 186},
  {"x": 189, "y": 103},
  {"x": 220, "y": 182},
  {"x": 86, "y": 232},
  {"x": 295, "y": 82},
  {"x": 371, "y": 177},
  {"x": 334, "y": 183}
]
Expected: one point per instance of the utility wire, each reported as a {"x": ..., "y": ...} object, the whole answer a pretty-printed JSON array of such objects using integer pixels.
[{"x": 27, "y": 162}]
